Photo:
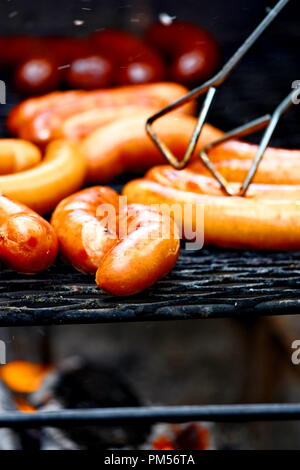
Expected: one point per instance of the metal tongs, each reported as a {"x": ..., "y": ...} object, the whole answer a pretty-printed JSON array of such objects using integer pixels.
[{"x": 269, "y": 121}]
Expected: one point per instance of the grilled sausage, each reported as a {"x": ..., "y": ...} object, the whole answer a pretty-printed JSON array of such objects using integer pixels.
[
  {"x": 125, "y": 261},
  {"x": 28, "y": 243},
  {"x": 193, "y": 53},
  {"x": 17, "y": 155},
  {"x": 233, "y": 159},
  {"x": 123, "y": 145},
  {"x": 192, "y": 181},
  {"x": 41, "y": 119},
  {"x": 268, "y": 218},
  {"x": 61, "y": 172},
  {"x": 37, "y": 74}
]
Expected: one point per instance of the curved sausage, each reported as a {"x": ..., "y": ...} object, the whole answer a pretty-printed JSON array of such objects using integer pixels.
[
  {"x": 127, "y": 261},
  {"x": 82, "y": 236},
  {"x": 277, "y": 170},
  {"x": 237, "y": 149},
  {"x": 123, "y": 145},
  {"x": 28, "y": 243},
  {"x": 27, "y": 109},
  {"x": 139, "y": 259},
  {"x": 41, "y": 119},
  {"x": 79, "y": 126},
  {"x": 17, "y": 155},
  {"x": 192, "y": 181},
  {"x": 60, "y": 173},
  {"x": 266, "y": 220}
]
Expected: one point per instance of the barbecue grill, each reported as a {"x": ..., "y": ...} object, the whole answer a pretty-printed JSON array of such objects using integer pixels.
[{"x": 211, "y": 283}]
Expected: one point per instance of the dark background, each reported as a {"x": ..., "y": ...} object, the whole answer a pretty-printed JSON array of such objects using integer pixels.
[{"x": 261, "y": 81}]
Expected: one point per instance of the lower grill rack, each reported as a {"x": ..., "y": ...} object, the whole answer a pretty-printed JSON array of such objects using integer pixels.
[{"x": 169, "y": 414}]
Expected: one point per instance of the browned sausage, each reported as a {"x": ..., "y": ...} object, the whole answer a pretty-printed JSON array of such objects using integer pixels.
[
  {"x": 28, "y": 243},
  {"x": 124, "y": 263}
]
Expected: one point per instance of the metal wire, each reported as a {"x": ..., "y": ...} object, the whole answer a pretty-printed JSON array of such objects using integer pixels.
[
  {"x": 269, "y": 120},
  {"x": 152, "y": 414},
  {"x": 208, "y": 87}
]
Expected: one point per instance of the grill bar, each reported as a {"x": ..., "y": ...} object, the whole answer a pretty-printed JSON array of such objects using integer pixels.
[
  {"x": 128, "y": 315},
  {"x": 211, "y": 283},
  {"x": 170, "y": 414}
]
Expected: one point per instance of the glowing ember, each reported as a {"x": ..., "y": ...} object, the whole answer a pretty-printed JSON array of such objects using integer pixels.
[
  {"x": 187, "y": 437},
  {"x": 162, "y": 443},
  {"x": 22, "y": 376},
  {"x": 23, "y": 405}
]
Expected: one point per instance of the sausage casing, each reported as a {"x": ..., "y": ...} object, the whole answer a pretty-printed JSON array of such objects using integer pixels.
[
  {"x": 28, "y": 243},
  {"x": 124, "y": 263}
]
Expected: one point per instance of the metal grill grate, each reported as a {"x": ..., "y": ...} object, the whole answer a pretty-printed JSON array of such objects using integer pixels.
[{"x": 211, "y": 283}]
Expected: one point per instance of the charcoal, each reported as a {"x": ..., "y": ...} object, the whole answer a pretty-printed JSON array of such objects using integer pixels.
[
  {"x": 78, "y": 384},
  {"x": 9, "y": 439}
]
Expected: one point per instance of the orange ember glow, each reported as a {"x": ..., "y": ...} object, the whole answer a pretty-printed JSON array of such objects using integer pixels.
[
  {"x": 190, "y": 437},
  {"x": 22, "y": 376},
  {"x": 162, "y": 443},
  {"x": 23, "y": 405}
]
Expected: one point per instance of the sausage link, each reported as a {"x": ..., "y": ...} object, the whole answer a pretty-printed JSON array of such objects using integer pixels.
[
  {"x": 42, "y": 119},
  {"x": 124, "y": 146},
  {"x": 266, "y": 220},
  {"x": 60, "y": 173},
  {"x": 192, "y": 181},
  {"x": 17, "y": 155},
  {"x": 244, "y": 151},
  {"x": 28, "y": 243},
  {"x": 143, "y": 256},
  {"x": 125, "y": 263},
  {"x": 82, "y": 236}
]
